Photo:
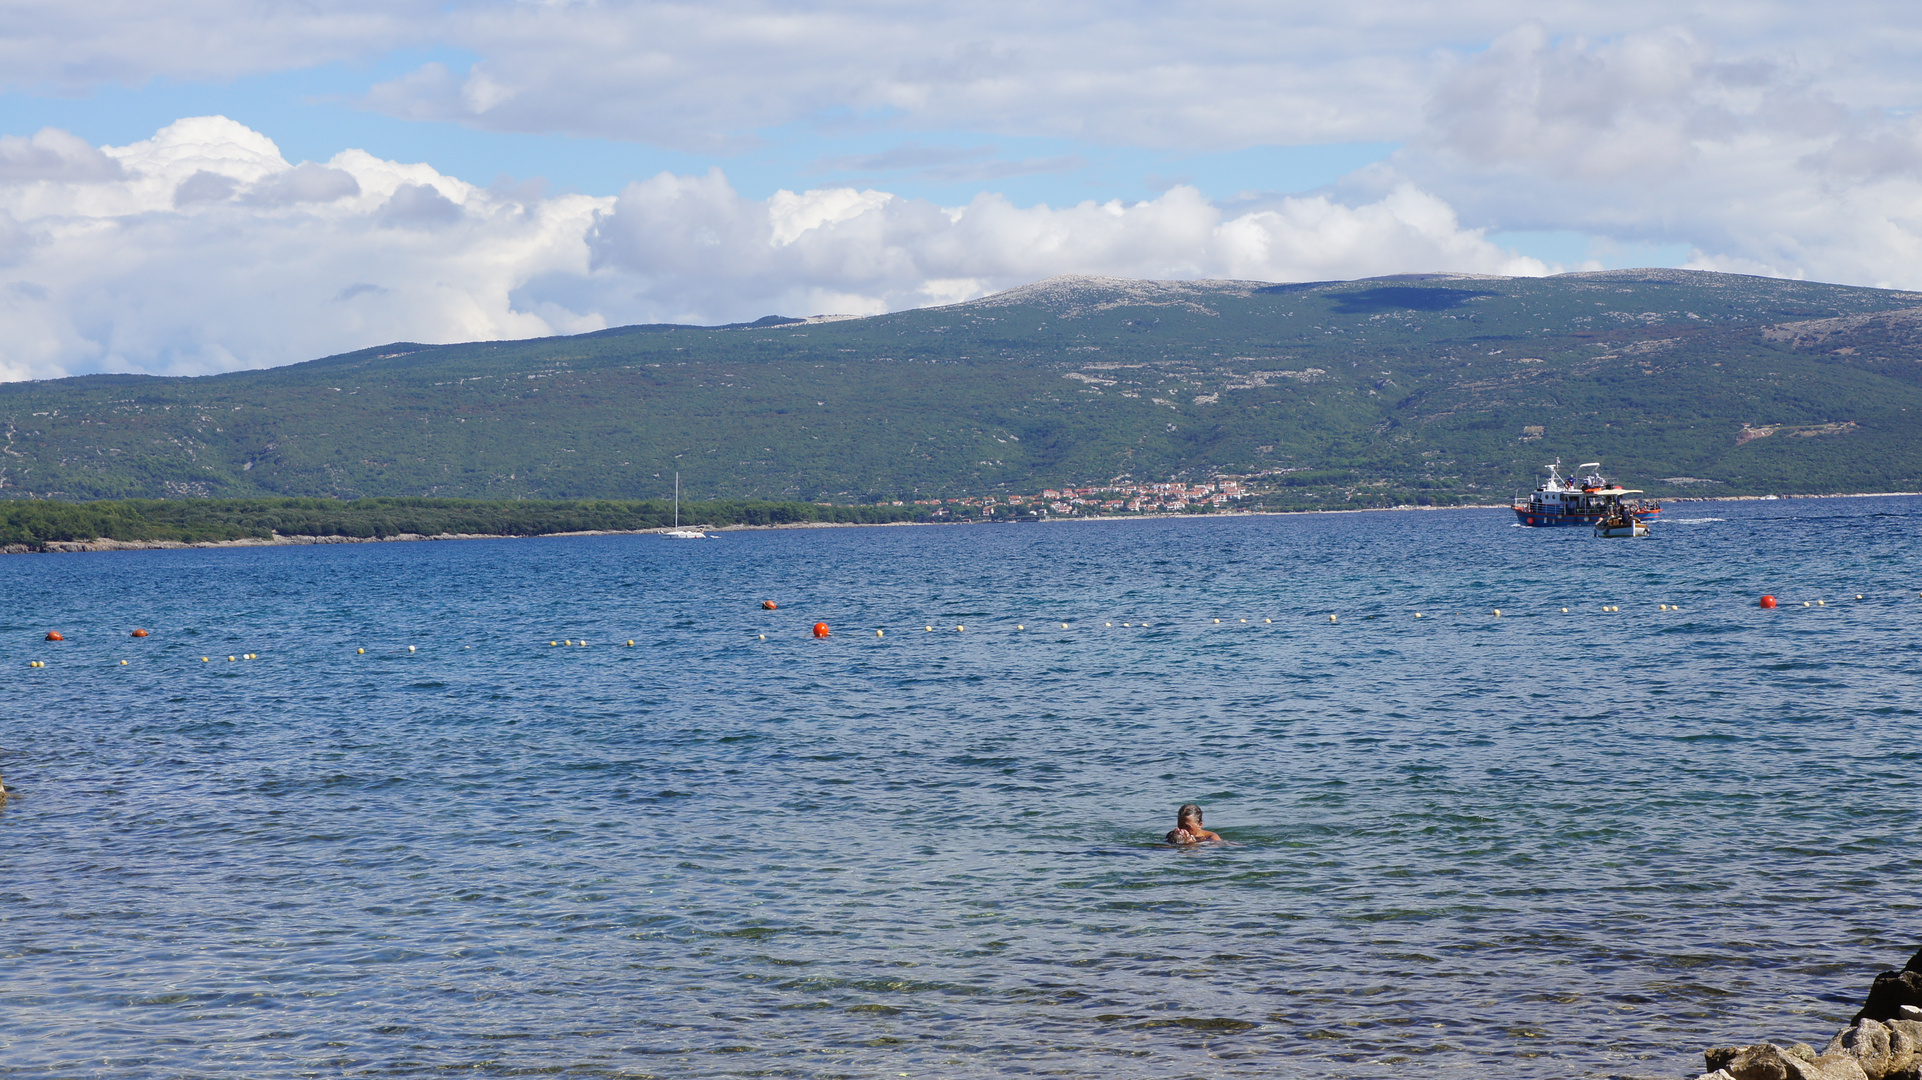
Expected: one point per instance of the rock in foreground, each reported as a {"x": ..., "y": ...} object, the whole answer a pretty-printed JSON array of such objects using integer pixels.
[{"x": 1883, "y": 1042}]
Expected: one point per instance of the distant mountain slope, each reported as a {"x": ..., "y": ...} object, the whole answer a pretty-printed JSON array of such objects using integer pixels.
[{"x": 1440, "y": 385}]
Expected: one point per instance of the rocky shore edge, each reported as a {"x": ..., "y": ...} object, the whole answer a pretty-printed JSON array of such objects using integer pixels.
[{"x": 1882, "y": 1042}]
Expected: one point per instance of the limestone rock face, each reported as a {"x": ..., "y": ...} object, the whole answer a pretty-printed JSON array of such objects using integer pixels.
[{"x": 1766, "y": 1061}]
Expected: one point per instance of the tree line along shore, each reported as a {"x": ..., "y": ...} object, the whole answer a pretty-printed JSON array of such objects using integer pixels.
[{"x": 32, "y": 524}]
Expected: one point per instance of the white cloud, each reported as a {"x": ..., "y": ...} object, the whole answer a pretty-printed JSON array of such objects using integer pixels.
[{"x": 211, "y": 252}]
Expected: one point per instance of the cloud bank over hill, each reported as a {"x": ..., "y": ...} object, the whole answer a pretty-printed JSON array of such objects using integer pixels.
[
  {"x": 1769, "y": 137},
  {"x": 202, "y": 249}
]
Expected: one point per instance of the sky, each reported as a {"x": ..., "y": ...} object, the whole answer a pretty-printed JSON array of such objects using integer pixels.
[{"x": 211, "y": 185}]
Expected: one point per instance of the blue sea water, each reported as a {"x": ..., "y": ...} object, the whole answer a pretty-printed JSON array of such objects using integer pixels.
[{"x": 1544, "y": 844}]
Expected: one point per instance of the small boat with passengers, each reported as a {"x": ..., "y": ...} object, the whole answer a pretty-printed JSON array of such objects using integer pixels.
[{"x": 1591, "y": 500}]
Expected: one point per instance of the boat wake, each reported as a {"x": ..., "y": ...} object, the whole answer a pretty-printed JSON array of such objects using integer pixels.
[{"x": 1692, "y": 521}]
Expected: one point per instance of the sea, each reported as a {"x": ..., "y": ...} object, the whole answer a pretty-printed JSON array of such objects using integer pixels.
[{"x": 1500, "y": 802}]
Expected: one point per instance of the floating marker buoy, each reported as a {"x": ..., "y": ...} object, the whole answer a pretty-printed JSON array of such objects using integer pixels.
[
  {"x": 123, "y": 663},
  {"x": 1820, "y": 603},
  {"x": 1498, "y": 613},
  {"x": 1109, "y": 624},
  {"x": 877, "y": 633},
  {"x": 1127, "y": 624},
  {"x": 1664, "y": 607},
  {"x": 1417, "y": 614},
  {"x": 1018, "y": 626},
  {"x": 410, "y": 648},
  {"x": 138, "y": 633},
  {"x": 1217, "y": 622},
  {"x": 763, "y": 637},
  {"x": 553, "y": 643},
  {"x": 1064, "y": 626},
  {"x": 929, "y": 629},
  {"x": 1564, "y": 611},
  {"x": 960, "y": 629},
  {"x": 1858, "y": 596},
  {"x": 583, "y": 643},
  {"x": 230, "y": 659},
  {"x": 1331, "y": 618},
  {"x": 630, "y": 643},
  {"x": 769, "y": 605},
  {"x": 203, "y": 659},
  {"x": 54, "y": 635},
  {"x": 1767, "y": 602},
  {"x": 360, "y": 652},
  {"x": 820, "y": 629},
  {"x": 1267, "y": 620}
]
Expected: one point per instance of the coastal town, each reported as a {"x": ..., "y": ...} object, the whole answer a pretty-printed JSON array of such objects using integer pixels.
[{"x": 1168, "y": 498}]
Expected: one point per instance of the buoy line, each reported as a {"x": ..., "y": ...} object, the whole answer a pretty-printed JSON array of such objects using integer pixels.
[{"x": 819, "y": 630}]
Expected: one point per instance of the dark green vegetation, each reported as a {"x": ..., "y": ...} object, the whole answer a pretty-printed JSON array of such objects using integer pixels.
[
  {"x": 1336, "y": 393},
  {"x": 35, "y": 521}
]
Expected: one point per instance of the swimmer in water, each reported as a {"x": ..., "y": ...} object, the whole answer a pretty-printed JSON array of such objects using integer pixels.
[{"x": 1188, "y": 828}]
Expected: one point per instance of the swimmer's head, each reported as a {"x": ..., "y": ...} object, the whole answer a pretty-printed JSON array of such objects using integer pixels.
[{"x": 1188, "y": 812}]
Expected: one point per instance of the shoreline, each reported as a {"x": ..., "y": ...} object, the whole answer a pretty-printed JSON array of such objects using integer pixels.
[{"x": 99, "y": 544}]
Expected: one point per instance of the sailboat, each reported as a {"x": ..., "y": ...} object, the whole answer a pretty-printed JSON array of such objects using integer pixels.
[{"x": 677, "y": 532}]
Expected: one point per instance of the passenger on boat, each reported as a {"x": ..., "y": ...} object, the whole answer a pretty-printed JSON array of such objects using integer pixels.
[{"x": 1188, "y": 829}]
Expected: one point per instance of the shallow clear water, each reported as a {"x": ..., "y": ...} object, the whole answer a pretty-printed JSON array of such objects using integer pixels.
[{"x": 1539, "y": 845}]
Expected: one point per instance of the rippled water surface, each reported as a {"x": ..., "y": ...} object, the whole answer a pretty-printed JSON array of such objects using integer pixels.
[{"x": 1534, "y": 845}]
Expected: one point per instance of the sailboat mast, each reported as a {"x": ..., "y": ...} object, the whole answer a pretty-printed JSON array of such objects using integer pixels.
[{"x": 677, "y": 500}]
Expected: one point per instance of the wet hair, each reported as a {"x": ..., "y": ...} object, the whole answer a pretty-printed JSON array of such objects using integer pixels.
[{"x": 1188, "y": 810}]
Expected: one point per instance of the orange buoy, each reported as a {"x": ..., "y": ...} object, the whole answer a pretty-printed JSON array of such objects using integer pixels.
[
  {"x": 820, "y": 629},
  {"x": 54, "y": 635},
  {"x": 138, "y": 633},
  {"x": 768, "y": 605},
  {"x": 1768, "y": 601}
]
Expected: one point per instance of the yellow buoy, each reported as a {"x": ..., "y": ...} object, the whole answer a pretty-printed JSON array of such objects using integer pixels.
[
  {"x": 877, "y": 633},
  {"x": 1417, "y": 614},
  {"x": 1217, "y": 622},
  {"x": 1821, "y": 603},
  {"x": 1064, "y": 626},
  {"x": 959, "y": 629},
  {"x": 123, "y": 663},
  {"x": 929, "y": 629},
  {"x": 1111, "y": 624},
  {"x": 1498, "y": 613},
  {"x": 360, "y": 652},
  {"x": 1018, "y": 626},
  {"x": 1267, "y": 620},
  {"x": 203, "y": 659},
  {"x": 1331, "y": 618},
  {"x": 230, "y": 659},
  {"x": 1564, "y": 611},
  {"x": 630, "y": 643},
  {"x": 553, "y": 643}
]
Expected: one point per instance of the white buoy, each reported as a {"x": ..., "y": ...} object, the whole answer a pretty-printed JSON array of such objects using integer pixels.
[
  {"x": 1018, "y": 626},
  {"x": 1498, "y": 613},
  {"x": 1217, "y": 622},
  {"x": 960, "y": 629},
  {"x": 410, "y": 648},
  {"x": 877, "y": 633},
  {"x": 1267, "y": 620},
  {"x": 1331, "y": 618},
  {"x": 1564, "y": 611},
  {"x": 1417, "y": 614},
  {"x": 930, "y": 629},
  {"x": 763, "y": 637},
  {"x": 1064, "y": 626}
]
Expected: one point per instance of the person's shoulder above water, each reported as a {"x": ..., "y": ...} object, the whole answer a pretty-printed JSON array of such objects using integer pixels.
[{"x": 1188, "y": 828}]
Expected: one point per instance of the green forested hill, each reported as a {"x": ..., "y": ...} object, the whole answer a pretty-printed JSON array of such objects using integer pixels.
[{"x": 1372, "y": 391}]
